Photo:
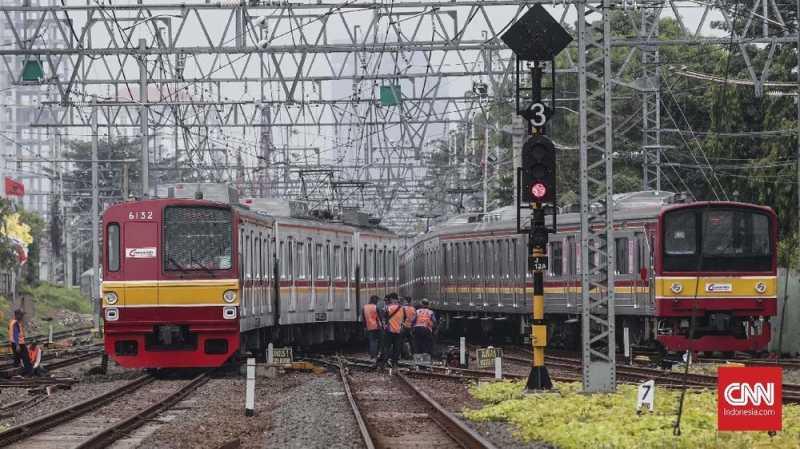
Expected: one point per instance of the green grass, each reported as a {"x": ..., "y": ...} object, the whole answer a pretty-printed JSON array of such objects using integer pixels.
[{"x": 49, "y": 301}]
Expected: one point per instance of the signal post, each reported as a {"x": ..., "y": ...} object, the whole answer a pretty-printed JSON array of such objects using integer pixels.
[{"x": 536, "y": 37}]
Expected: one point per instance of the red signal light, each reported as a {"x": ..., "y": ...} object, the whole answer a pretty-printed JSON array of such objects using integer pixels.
[{"x": 538, "y": 190}]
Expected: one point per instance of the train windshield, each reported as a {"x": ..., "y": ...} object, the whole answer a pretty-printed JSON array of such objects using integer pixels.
[
  {"x": 714, "y": 239},
  {"x": 197, "y": 238}
]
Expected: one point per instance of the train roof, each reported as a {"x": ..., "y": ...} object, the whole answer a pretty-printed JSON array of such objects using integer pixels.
[{"x": 630, "y": 207}]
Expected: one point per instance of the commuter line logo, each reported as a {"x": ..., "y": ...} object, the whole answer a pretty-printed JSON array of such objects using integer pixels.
[{"x": 749, "y": 398}]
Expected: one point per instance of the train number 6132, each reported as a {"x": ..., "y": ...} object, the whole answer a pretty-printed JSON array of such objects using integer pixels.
[{"x": 140, "y": 215}]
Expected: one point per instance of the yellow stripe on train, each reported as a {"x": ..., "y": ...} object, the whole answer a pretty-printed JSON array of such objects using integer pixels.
[
  {"x": 171, "y": 293},
  {"x": 716, "y": 287}
]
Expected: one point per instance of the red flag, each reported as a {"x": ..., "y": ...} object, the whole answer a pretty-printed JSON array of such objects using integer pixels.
[{"x": 14, "y": 188}]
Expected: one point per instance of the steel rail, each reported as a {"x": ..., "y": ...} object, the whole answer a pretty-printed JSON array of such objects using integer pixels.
[
  {"x": 122, "y": 428},
  {"x": 450, "y": 423},
  {"x": 77, "y": 332},
  {"x": 42, "y": 423},
  {"x": 363, "y": 429},
  {"x": 7, "y": 372}
]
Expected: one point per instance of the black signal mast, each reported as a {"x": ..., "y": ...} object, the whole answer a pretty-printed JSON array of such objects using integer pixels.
[{"x": 537, "y": 37}]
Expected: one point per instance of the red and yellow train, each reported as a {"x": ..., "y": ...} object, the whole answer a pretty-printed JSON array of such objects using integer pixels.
[
  {"x": 713, "y": 260},
  {"x": 189, "y": 282}
]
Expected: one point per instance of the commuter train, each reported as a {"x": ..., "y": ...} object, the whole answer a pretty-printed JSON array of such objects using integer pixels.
[
  {"x": 188, "y": 282},
  {"x": 713, "y": 260}
]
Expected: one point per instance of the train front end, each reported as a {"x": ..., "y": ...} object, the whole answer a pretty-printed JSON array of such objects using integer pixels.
[
  {"x": 170, "y": 284},
  {"x": 716, "y": 285}
]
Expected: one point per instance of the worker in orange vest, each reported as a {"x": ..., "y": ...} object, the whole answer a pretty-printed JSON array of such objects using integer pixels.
[
  {"x": 424, "y": 323},
  {"x": 373, "y": 325},
  {"x": 16, "y": 336},
  {"x": 35, "y": 356},
  {"x": 393, "y": 326},
  {"x": 410, "y": 313}
]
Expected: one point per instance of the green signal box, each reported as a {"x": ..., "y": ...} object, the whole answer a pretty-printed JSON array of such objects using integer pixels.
[
  {"x": 391, "y": 95},
  {"x": 32, "y": 71}
]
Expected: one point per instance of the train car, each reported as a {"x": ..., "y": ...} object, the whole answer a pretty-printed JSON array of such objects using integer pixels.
[
  {"x": 474, "y": 270},
  {"x": 189, "y": 282}
]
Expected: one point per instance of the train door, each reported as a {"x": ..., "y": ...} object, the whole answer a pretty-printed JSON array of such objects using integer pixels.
[{"x": 290, "y": 248}]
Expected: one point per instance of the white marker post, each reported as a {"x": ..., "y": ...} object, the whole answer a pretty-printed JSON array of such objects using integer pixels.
[
  {"x": 463, "y": 353},
  {"x": 250, "y": 389},
  {"x": 498, "y": 368},
  {"x": 50, "y": 334},
  {"x": 270, "y": 354},
  {"x": 626, "y": 338},
  {"x": 646, "y": 397}
]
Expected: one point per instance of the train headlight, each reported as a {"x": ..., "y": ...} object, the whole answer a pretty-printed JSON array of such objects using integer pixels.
[
  {"x": 676, "y": 288},
  {"x": 112, "y": 314},
  {"x": 229, "y": 296},
  {"x": 761, "y": 287},
  {"x": 111, "y": 298}
]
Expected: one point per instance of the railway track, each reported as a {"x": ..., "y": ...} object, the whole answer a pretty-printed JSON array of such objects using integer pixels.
[
  {"x": 56, "y": 364},
  {"x": 85, "y": 425},
  {"x": 60, "y": 335},
  {"x": 669, "y": 379},
  {"x": 411, "y": 419}
]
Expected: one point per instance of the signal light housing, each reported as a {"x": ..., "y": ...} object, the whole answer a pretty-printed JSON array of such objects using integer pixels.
[{"x": 538, "y": 183}]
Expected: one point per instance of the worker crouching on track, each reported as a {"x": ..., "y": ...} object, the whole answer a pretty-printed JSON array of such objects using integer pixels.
[
  {"x": 16, "y": 335},
  {"x": 393, "y": 338},
  {"x": 408, "y": 321},
  {"x": 35, "y": 356},
  {"x": 424, "y": 324},
  {"x": 374, "y": 326}
]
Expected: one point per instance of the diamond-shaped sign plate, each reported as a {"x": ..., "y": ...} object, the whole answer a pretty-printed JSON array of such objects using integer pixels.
[{"x": 536, "y": 36}]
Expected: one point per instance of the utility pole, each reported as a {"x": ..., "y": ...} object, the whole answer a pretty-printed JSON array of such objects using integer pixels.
[
  {"x": 143, "y": 118},
  {"x": 95, "y": 225},
  {"x": 486, "y": 167}
]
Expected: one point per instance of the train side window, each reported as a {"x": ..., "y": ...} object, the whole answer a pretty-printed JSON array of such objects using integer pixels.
[
  {"x": 112, "y": 233},
  {"x": 337, "y": 262},
  {"x": 379, "y": 264},
  {"x": 290, "y": 260},
  {"x": 300, "y": 251},
  {"x": 352, "y": 267},
  {"x": 282, "y": 259},
  {"x": 445, "y": 262},
  {"x": 370, "y": 265},
  {"x": 259, "y": 265},
  {"x": 556, "y": 258},
  {"x": 321, "y": 268},
  {"x": 247, "y": 257},
  {"x": 622, "y": 262}
]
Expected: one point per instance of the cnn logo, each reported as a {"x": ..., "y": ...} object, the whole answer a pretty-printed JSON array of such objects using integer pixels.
[
  {"x": 749, "y": 398},
  {"x": 742, "y": 394}
]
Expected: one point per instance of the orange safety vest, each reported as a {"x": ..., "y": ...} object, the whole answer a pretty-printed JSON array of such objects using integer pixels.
[
  {"x": 11, "y": 331},
  {"x": 371, "y": 317},
  {"x": 410, "y": 312},
  {"x": 35, "y": 355},
  {"x": 395, "y": 318},
  {"x": 424, "y": 319}
]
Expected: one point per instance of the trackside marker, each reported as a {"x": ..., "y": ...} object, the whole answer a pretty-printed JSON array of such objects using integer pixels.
[
  {"x": 463, "y": 351},
  {"x": 498, "y": 368},
  {"x": 250, "y": 390}
]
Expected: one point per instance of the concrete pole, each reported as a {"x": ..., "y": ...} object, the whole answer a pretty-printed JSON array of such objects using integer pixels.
[
  {"x": 95, "y": 225},
  {"x": 143, "y": 97}
]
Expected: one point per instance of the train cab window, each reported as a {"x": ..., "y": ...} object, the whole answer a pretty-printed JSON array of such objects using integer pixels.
[
  {"x": 112, "y": 233},
  {"x": 680, "y": 234},
  {"x": 622, "y": 256},
  {"x": 197, "y": 238},
  {"x": 556, "y": 258}
]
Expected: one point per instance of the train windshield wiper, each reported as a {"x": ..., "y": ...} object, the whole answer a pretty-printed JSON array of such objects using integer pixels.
[{"x": 177, "y": 265}]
